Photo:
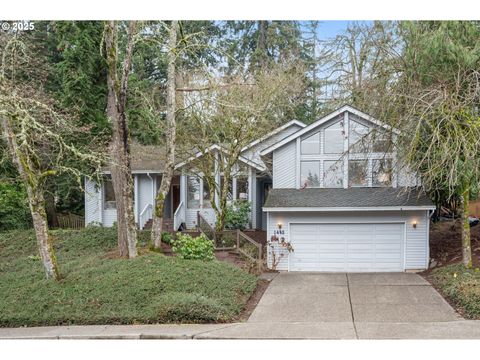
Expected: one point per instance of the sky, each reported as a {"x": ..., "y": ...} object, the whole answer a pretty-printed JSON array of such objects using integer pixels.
[{"x": 329, "y": 29}]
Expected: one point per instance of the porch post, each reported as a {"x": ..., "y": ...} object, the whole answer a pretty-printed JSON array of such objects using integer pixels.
[
  {"x": 217, "y": 181},
  {"x": 135, "y": 197},
  {"x": 183, "y": 195}
]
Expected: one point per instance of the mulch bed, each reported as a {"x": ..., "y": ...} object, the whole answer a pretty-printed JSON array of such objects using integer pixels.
[{"x": 446, "y": 243}]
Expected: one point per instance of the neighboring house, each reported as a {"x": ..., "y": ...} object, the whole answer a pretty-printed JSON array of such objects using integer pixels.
[{"x": 342, "y": 200}]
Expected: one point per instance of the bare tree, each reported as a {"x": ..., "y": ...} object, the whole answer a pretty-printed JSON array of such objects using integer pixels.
[
  {"x": 36, "y": 137},
  {"x": 170, "y": 138},
  {"x": 231, "y": 112},
  {"x": 120, "y": 166}
]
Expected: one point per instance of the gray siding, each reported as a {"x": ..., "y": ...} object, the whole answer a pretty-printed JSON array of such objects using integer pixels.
[
  {"x": 416, "y": 246},
  {"x": 284, "y": 166}
]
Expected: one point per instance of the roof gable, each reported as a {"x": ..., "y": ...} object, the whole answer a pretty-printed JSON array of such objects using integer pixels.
[
  {"x": 274, "y": 132},
  {"x": 322, "y": 121}
]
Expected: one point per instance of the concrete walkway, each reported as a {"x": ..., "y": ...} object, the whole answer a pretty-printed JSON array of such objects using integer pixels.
[{"x": 461, "y": 329}]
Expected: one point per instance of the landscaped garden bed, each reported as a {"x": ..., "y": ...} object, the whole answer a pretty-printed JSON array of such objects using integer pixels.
[
  {"x": 97, "y": 288},
  {"x": 459, "y": 286}
]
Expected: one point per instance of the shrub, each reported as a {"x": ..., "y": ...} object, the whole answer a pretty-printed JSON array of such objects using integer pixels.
[
  {"x": 237, "y": 215},
  {"x": 14, "y": 211},
  {"x": 199, "y": 248},
  {"x": 167, "y": 237}
]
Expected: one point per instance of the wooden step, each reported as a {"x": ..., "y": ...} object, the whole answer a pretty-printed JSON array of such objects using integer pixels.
[{"x": 167, "y": 225}]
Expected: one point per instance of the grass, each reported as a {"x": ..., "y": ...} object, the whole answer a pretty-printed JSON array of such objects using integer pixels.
[
  {"x": 98, "y": 289},
  {"x": 461, "y": 286}
]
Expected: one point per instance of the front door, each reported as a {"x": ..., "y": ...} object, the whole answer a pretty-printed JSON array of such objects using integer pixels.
[{"x": 175, "y": 197}]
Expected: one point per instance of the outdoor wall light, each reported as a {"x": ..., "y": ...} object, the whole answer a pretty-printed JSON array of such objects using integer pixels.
[
  {"x": 279, "y": 225},
  {"x": 414, "y": 224}
]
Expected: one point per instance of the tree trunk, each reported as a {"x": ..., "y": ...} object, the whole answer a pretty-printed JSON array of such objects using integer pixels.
[
  {"x": 36, "y": 202},
  {"x": 51, "y": 210},
  {"x": 466, "y": 243},
  {"x": 40, "y": 224},
  {"x": 262, "y": 43},
  {"x": 119, "y": 147},
  {"x": 157, "y": 224}
]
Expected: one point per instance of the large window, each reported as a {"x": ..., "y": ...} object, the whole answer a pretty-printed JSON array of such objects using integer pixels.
[
  {"x": 357, "y": 173},
  {"x": 108, "y": 194},
  {"x": 334, "y": 138},
  {"x": 311, "y": 145},
  {"x": 310, "y": 173},
  {"x": 230, "y": 192},
  {"x": 207, "y": 202},
  {"x": 382, "y": 172},
  {"x": 358, "y": 137},
  {"x": 193, "y": 192},
  {"x": 333, "y": 173},
  {"x": 381, "y": 142},
  {"x": 242, "y": 188}
]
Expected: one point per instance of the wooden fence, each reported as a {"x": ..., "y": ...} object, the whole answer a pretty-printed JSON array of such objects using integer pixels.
[
  {"x": 474, "y": 208},
  {"x": 70, "y": 221}
]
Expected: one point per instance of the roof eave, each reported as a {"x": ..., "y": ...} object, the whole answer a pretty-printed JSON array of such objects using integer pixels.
[{"x": 331, "y": 209}]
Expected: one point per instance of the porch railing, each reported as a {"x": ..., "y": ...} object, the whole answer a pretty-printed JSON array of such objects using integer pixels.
[
  {"x": 145, "y": 215},
  {"x": 249, "y": 247},
  {"x": 232, "y": 240},
  {"x": 178, "y": 218},
  {"x": 70, "y": 221}
]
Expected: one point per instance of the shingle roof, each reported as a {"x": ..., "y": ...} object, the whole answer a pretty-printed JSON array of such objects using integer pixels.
[{"x": 348, "y": 198}]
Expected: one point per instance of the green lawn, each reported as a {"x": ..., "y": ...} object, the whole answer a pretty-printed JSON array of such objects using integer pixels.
[
  {"x": 96, "y": 289},
  {"x": 461, "y": 286}
]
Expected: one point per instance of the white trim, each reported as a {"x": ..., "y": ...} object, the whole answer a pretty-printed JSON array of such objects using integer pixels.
[
  {"x": 298, "y": 164},
  {"x": 135, "y": 197},
  {"x": 336, "y": 209},
  {"x": 324, "y": 120},
  {"x": 273, "y": 132}
]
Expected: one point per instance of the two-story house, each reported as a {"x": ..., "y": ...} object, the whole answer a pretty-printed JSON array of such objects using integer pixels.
[{"x": 343, "y": 207}]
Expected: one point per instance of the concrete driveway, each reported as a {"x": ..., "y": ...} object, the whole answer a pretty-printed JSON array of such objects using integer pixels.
[{"x": 351, "y": 298}]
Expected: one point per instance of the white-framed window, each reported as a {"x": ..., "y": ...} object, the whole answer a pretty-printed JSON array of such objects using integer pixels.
[
  {"x": 381, "y": 172},
  {"x": 333, "y": 173},
  {"x": 206, "y": 196},
  {"x": 310, "y": 174},
  {"x": 109, "y": 201},
  {"x": 357, "y": 173},
  {"x": 230, "y": 188},
  {"x": 381, "y": 142},
  {"x": 334, "y": 138},
  {"x": 358, "y": 139},
  {"x": 193, "y": 192},
  {"x": 242, "y": 188},
  {"x": 311, "y": 144}
]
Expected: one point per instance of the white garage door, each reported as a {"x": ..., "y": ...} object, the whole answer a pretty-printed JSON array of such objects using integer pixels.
[{"x": 347, "y": 247}]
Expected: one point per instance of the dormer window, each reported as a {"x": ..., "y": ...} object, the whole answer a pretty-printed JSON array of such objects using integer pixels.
[
  {"x": 311, "y": 145},
  {"x": 334, "y": 138}
]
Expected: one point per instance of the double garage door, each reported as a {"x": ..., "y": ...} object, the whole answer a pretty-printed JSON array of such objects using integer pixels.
[{"x": 347, "y": 247}]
